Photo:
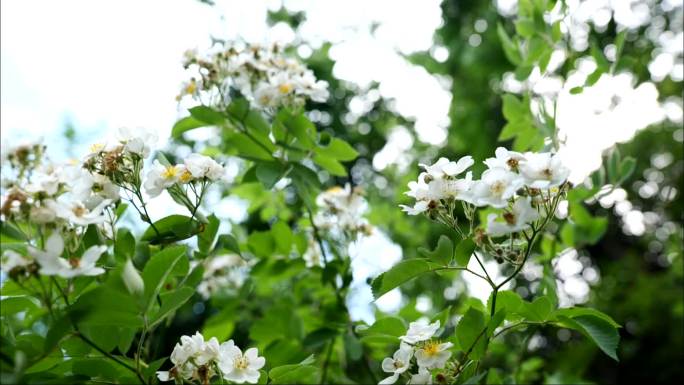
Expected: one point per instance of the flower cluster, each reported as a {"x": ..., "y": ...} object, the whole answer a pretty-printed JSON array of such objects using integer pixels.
[
  {"x": 223, "y": 272},
  {"x": 195, "y": 359},
  {"x": 341, "y": 211},
  {"x": 429, "y": 354},
  {"x": 262, "y": 74},
  {"x": 518, "y": 183}
]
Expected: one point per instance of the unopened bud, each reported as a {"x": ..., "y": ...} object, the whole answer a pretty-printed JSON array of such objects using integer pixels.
[{"x": 132, "y": 279}]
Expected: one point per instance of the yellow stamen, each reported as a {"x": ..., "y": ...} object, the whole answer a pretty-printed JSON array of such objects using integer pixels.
[
  {"x": 186, "y": 176},
  {"x": 285, "y": 88},
  {"x": 170, "y": 172}
]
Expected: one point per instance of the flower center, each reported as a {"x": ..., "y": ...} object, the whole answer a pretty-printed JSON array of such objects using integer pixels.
[
  {"x": 170, "y": 172},
  {"x": 285, "y": 88},
  {"x": 79, "y": 210},
  {"x": 431, "y": 348},
  {"x": 547, "y": 173},
  {"x": 513, "y": 164},
  {"x": 241, "y": 363},
  {"x": 74, "y": 262},
  {"x": 186, "y": 176},
  {"x": 509, "y": 218},
  {"x": 498, "y": 188},
  {"x": 398, "y": 364},
  {"x": 97, "y": 147}
]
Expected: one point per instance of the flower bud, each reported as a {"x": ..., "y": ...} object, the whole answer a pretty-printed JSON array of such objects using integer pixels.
[{"x": 132, "y": 279}]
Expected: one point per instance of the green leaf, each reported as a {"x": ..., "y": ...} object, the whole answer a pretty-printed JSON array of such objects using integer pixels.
[
  {"x": 331, "y": 165},
  {"x": 627, "y": 168},
  {"x": 171, "y": 229},
  {"x": 600, "y": 331},
  {"x": 464, "y": 250},
  {"x": 170, "y": 302},
  {"x": 573, "y": 312},
  {"x": 207, "y": 115},
  {"x": 443, "y": 253},
  {"x": 107, "y": 306},
  {"x": 294, "y": 374},
  {"x": 158, "y": 269},
  {"x": 249, "y": 148},
  {"x": 205, "y": 240},
  {"x": 282, "y": 234},
  {"x": 510, "y": 48},
  {"x": 392, "y": 327},
  {"x": 95, "y": 368},
  {"x": 14, "y": 305},
  {"x": 10, "y": 231},
  {"x": 509, "y": 301},
  {"x": 261, "y": 243},
  {"x": 400, "y": 273},
  {"x": 576, "y": 90},
  {"x": 124, "y": 247},
  {"x": 470, "y": 332},
  {"x": 269, "y": 173},
  {"x": 353, "y": 347},
  {"x": 338, "y": 149},
  {"x": 525, "y": 27},
  {"x": 186, "y": 124},
  {"x": 556, "y": 33},
  {"x": 300, "y": 127},
  {"x": 227, "y": 242},
  {"x": 538, "y": 310},
  {"x": 513, "y": 108},
  {"x": 319, "y": 337}
]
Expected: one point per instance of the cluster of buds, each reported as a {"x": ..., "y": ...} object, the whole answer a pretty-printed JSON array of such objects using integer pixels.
[{"x": 264, "y": 75}]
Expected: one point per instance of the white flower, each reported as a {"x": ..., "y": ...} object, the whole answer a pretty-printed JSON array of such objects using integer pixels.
[
  {"x": 313, "y": 255},
  {"x": 399, "y": 363},
  {"x": 238, "y": 367},
  {"x": 161, "y": 177},
  {"x": 543, "y": 170},
  {"x": 423, "y": 377},
  {"x": 137, "y": 141},
  {"x": 77, "y": 212},
  {"x": 443, "y": 167},
  {"x": 417, "y": 208},
  {"x": 450, "y": 188},
  {"x": 86, "y": 186},
  {"x": 516, "y": 220},
  {"x": 342, "y": 210},
  {"x": 187, "y": 349},
  {"x": 495, "y": 188},
  {"x": 42, "y": 214},
  {"x": 51, "y": 262},
  {"x": 507, "y": 160},
  {"x": 46, "y": 180},
  {"x": 420, "y": 331},
  {"x": 433, "y": 355},
  {"x": 222, "y": 272},
  {"x": 201, "y": 166},
  {"x": 11, "y": 259}
]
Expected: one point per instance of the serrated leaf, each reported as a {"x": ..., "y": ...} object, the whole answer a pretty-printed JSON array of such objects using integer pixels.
[
  {"x": 464, "y": 250},
  {"x": 157, "y": 270},
  {"x": 443, "y": 252}
]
